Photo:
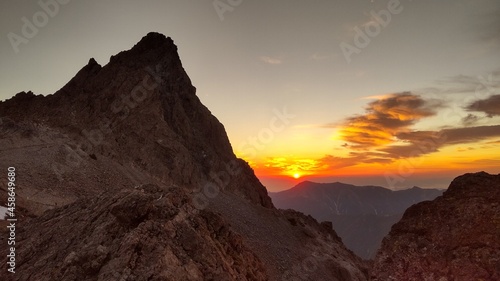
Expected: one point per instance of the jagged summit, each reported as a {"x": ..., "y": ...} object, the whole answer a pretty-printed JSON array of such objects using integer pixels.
[
  {"x": 153, "y": 49},
  {"x": 155, "y": 40},
  {"x": 93, "y": 62}
]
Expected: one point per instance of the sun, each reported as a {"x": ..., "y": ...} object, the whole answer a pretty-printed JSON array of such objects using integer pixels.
[{"x": 296, "y": 175}]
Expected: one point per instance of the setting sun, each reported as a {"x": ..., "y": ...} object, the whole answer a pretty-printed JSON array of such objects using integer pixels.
[{"x": 296, "y": 175}]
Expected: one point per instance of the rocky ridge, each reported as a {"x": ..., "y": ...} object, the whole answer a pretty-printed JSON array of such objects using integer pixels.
[
  {"x": 454, "y": 237},
  {"x": 145, "y": 233}
]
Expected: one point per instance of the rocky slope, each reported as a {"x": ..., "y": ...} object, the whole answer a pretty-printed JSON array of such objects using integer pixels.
[
  {"x": 361, "y": 215},
  {"x": 146, "y": 233},
  {"x": 454, "y": 237},
  {"x": 124, "y": 175}
]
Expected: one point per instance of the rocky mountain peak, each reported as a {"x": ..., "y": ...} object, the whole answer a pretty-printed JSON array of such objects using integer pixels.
[
  {"x": 143, "y": 97},
  {"x": 155, "y": 41}
]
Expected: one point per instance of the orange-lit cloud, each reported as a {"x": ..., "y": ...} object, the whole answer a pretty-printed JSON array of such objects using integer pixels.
[
  {"x": 385, "y": 132},
  {"x": 384, "y": 138},
  {"x": 385, "y": 118},
  {"x": 376, "y": 97}
]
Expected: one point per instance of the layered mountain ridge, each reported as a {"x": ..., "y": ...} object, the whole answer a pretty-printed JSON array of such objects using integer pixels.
[{"x": 361, "y": 215}]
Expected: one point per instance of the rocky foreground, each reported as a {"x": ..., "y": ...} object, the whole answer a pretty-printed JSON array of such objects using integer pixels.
[
  {"x": 454, "y": 237},
  {"x": 146, "y": 233}
]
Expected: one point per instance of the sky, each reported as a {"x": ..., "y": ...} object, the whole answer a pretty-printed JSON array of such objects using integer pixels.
[{"x": 390, "y": 93}]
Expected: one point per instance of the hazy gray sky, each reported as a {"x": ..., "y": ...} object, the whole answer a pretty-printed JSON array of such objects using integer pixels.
[{"x": 253, "y": 56}]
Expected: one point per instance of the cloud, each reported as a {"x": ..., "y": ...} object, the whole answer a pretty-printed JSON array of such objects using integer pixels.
[
  {"x": 376, "y": 97},
  {"x": 462, "y": 149},
  {"x": 385, "y": 131},
  {"x": 490, "y": 106},
  {"x": 425, "y": 142},
  {"x": 385, "y": 118},
  {"x": 270, "y": 60},
  {"x": 494, "y": 142},
  {"x": 470, "y": 134},
  {"x": 334, "y": 162},
  {"x": 479, "y": 85},
  {"x": 418, "y": 143},
  {"x": 470, "y": 119}
]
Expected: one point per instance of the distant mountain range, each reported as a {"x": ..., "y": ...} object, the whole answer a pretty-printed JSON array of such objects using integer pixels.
[{"x": 361, "y": 215}]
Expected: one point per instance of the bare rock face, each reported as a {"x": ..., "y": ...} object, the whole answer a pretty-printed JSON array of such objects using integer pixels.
[
  {"x": 454, "y": 237},
  {"x": 291, "y": 245},
  {"x": 146, "y": 233}
]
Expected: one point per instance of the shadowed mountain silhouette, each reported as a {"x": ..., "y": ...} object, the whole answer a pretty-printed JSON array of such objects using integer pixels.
[{"x": 361, "y": 215}]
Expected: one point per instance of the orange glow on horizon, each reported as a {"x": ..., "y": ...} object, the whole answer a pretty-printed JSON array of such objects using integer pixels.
[{"x": 452, "y": 158}]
